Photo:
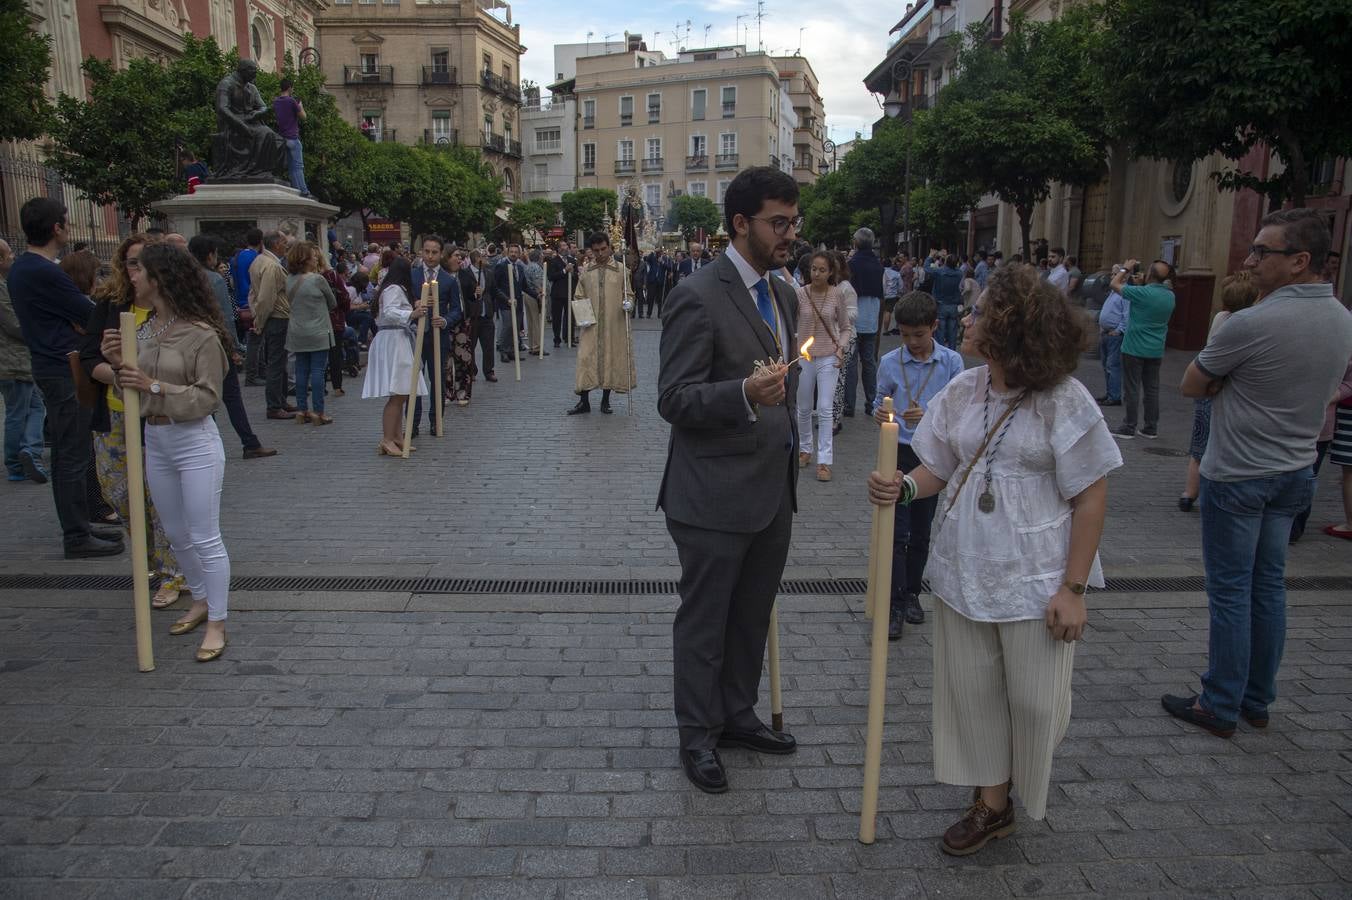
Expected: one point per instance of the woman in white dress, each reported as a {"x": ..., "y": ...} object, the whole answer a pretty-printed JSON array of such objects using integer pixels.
[
  {"x": 1024, "y": 453},
  {"x": 389, "y": 361}
]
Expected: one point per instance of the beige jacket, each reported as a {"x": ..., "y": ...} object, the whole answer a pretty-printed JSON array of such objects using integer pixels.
[
  {"x": 267, "y": 289},
  {"x": 190, "y": 365}
]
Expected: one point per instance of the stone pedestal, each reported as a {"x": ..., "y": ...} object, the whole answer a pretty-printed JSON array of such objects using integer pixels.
[{"x": 229, "y": 210}]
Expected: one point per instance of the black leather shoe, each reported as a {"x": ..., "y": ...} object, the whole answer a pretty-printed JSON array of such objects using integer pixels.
[
  {"x": 107, "y": 532},
  {"x": 582, "y": 407},
  {"x": 91, "y": 547},
  {"x": 705, "y": 770},
  {"x": 1186, "y": 708},
  {"x": 605, "y": 407},
  {"x": 896, "y": 621},
  {"x": 762, "y": 740},
  {"x": 915, "y": 613}
]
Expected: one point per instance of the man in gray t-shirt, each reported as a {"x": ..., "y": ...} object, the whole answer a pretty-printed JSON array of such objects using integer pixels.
[{"x": 1271, "y": 372}]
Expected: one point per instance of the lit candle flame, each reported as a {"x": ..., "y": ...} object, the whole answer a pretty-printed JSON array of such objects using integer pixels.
[
  {"x": 891, "y": 418},
  {"x": 802, "y": 351}
]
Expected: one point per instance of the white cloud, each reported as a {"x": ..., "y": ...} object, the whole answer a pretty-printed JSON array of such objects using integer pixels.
[{"x": 843, "y": 42}]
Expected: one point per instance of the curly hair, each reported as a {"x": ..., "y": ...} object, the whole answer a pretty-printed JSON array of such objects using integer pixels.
[
  {"x": 833, "y": 273},
  {"x": 182, "y": 285},
  {"x": 1029, "y": 329},
  {"x": 116, "y": 288}
]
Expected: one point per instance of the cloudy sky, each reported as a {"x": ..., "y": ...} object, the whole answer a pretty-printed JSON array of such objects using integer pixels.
[{"x": 842, "y": 43}]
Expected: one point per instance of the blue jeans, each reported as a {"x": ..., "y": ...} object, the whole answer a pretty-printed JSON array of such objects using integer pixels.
[
  {"x": 1245, "y": 528},
  {"x": 310, "y": 378},
  {"x": 948, "y": 325},
  {"x": 297, "y": 160},
  {"x": 865, "y": 357},
  {"x": 1110, "y": 353},
  {"x": 24, "y": 415}
]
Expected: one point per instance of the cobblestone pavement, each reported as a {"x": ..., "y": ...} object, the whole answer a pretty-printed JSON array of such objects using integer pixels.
[{"x": 396, "y": 745}]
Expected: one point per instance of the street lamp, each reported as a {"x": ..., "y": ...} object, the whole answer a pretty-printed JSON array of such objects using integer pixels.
[
  {"x": 894, "y": 106},
  {"x": 828, "y": 146}
]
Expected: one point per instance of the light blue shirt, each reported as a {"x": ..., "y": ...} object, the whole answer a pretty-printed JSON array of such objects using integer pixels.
[
  {"x": 869, "y": 310},
  {"x": 981, "y": 273},
  {"x": 925, "y": 379},
  {"x": 1113, "y": 316},
  {"x": 891, "y": 283}
]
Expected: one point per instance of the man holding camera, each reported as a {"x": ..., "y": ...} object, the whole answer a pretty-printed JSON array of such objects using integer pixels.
[{"x": 1151, "y": 305}]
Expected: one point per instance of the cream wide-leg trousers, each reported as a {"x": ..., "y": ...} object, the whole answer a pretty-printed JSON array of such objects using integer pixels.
[{"x": 1001, "y": 703}]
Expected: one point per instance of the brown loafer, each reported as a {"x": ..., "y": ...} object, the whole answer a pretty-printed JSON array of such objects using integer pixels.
[
  {"x": 259, "y": 453},
  {"x": 280, "y": 414},
  {"x": 978, "y": 827}
]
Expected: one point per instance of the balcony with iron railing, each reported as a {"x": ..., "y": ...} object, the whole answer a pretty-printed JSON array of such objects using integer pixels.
[
  {"x": 500, "y": 86},
  {"x": 589, "y": 121},
  {"x": 495, "y": 142},
  {"x": 381, "y": 135},
  {"x": 433, "y": 75},
  {"x": 652, "y": 164},
  {"x": 624, "y": 167},
  {"x": 626, "y": 118},
  {"x": 654, "y": 115},
  {"x": 803, "y": 162},
  {"x": 726, "y": 161},
  {"x": 362, "y": 75},
  {"x": 440, "y": 137},
  {"x": 513, "y": 148},
  {"x": 698, "y": 163},
  {"x": 729, "y": 110},
  {"x": 589, "y": 168}
]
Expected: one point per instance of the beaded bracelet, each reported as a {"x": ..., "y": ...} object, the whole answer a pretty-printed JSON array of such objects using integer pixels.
[{"x": 908, "y": 490}]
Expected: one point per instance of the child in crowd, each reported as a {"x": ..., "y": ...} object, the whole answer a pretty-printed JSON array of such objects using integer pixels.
[{"x": 912, "y": 375}]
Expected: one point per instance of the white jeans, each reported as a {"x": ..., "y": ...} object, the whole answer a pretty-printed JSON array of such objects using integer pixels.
[
  {"x": 185, "y": 465},
  {"x": 819, "y": 373}
]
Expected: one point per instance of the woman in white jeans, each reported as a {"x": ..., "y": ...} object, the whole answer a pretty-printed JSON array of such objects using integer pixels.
[
  {"x": 182, "y": 363},
  {"x": 823, "y": 315}
]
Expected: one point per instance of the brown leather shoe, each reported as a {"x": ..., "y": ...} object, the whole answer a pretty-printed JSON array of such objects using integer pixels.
[
  {"x": 974, "y": 830},
  {"x": 280, "y": 414},
  {"x": 259, "y": 453}
]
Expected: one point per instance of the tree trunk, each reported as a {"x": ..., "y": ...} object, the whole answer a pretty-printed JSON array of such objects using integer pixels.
[
  {"x": 1295, "y": 164},
  {"x": 1025, "y": 228}
]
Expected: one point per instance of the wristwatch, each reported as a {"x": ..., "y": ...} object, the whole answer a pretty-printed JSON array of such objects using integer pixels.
[
  {"x": 155, "y": 388},
  {"x": 1076, "y": 587}
]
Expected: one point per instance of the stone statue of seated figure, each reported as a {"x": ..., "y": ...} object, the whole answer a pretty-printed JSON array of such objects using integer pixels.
[{"x": 244, "y": 149}]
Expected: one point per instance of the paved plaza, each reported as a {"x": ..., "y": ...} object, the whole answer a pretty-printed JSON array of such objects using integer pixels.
[{"x": 401, "y": 745}]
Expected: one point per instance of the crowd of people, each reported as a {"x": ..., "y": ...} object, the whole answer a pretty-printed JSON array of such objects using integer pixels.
[{"x": 1018, "y": 447}]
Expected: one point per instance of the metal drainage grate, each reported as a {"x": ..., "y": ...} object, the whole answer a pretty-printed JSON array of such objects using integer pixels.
[{"x": 581, "y": 587}]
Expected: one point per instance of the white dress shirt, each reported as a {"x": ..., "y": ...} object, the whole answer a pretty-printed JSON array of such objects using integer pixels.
[{"x": 749, "y": 277}]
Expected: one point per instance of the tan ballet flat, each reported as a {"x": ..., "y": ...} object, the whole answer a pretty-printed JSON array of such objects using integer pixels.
[
  {"x": 823, "y": 473},
  {"x": 187, "y": 625}
]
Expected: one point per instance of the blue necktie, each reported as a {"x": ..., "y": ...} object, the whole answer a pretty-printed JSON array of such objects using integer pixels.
[{"x": 766, "y": 307}]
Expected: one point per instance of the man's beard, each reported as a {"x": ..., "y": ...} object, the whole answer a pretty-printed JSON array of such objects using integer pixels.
[{"x": 762, "y": 254}]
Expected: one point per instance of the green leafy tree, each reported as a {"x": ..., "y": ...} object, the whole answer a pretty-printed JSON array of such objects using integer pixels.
[
  {"x": 1226, "y": 77},
  {"x": 828, "y": 210},
  {"x": 24, "y": 111},
  {"x": 1022, "y": 115},
  {"x": 690, "y": 213},
  {"x": 584, "y": 208},
  {"x": 533, "y": 215}
]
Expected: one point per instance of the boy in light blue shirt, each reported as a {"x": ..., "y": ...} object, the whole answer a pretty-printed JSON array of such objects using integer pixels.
[{"x": 912, "y": 375}]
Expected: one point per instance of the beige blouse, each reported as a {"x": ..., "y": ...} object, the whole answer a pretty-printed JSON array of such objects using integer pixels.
[
  {"x": 832, "y": 329},
  {"x": 190, "y": 365}
]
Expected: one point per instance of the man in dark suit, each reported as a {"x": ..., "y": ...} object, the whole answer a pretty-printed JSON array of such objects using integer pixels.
[
  {"x": 503, "y": 287},
  {"x": 729, "y": 489},
  {"x": 448, "y": 315},
  {"x": 559, "y": 263}
]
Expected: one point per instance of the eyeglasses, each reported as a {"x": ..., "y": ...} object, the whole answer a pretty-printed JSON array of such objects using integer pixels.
[
  {"x": 780, "y": 224},
  {"x": 1258, "y": 251},
  {"x": 133, "y": 262}
]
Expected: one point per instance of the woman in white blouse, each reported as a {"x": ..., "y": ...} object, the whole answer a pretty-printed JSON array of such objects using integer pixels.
[
  {"x": 1023, "y": 450},
  {"x": 389, "y": 361}
]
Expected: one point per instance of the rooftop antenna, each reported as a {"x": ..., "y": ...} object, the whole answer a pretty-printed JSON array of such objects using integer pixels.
[
  {"x": 706, "y": 34},
  {"x": 799, "y": 51},
  {"x": 760, "y": 17},
  {"x": 589, "y": 37},
  {"x": 737, "y": 28}
]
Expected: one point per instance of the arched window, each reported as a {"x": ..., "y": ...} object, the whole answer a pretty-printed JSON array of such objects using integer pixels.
[
  {"x": 256, "y": 34},
  {"x": 508, "y": 182}
]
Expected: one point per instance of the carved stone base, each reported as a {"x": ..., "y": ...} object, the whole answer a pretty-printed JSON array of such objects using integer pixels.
[{"x": 269, "y": 206}]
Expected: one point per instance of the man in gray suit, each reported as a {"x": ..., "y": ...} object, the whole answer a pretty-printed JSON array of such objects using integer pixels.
[{"x": 729, "y": 489}]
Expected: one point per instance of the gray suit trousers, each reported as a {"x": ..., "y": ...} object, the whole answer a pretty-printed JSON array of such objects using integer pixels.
[{"x": 728, "y": 586}]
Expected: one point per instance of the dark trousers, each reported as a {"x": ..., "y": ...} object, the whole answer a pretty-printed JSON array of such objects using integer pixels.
[
  {"x": 274, "y": 356},
  {"x": 432, "y": 385},
  {"x": 72, "y": 448},
  {"x": 558, "y": 312},
  {"x": 483, "y": 336},
  {"x": 911, "y": 535},
  {"x": 727, "y": 587},
  {"x": 1298, "y": 524},
  {"x": 651, "y": 291},
  {"x": 862, "y": 366},
  {"x": 1140, "y": 381},
  {"x": 233, "y": 400}
]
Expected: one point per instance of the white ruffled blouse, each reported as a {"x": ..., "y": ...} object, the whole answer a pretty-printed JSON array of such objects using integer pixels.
[{"x": 1004, "y": 566}]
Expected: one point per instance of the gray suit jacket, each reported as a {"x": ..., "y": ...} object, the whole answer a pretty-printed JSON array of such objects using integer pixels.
[{"x": 724, "y": 472}]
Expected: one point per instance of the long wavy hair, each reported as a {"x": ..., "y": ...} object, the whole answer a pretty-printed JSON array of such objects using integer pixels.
[
  {"x": 1029, "y": 328},
  {"x": 116, "y": 288},
  {"x": 182, "y": 285}
]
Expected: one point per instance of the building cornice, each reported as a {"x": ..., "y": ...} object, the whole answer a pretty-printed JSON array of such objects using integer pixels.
[{"x": 122, "y": 21}]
